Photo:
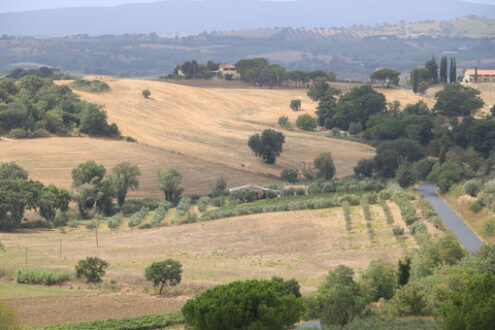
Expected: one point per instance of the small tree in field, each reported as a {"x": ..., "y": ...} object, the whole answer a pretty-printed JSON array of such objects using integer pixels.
[
  {"x": 290, "y": 175},
  {"x": 146, "y": 93},
  {"x": 295, "y": 105},
  {"x": 170, "y": 182},
  {"x": 283, "y": 121},
  {"x": 325, "y": 166},
  {"x": 168, "y": 272},
  {"x": 267, "y": 145},
  {"x": 93, "y": 268}
]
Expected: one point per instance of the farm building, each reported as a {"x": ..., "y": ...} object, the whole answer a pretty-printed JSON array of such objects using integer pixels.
[
  {"x": 258, "y": 191},
  {"x": 226, "y": 70},
  {"x": 483, "y": 76}
]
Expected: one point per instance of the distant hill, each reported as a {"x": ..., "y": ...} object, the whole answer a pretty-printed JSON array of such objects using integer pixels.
[{"x": 225, "y": 15}]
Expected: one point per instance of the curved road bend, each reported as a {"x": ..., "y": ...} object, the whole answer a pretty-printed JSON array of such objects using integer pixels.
[{"x": 462, "y": 231}]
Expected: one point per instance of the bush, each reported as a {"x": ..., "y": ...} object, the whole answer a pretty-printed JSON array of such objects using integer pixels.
[
  {"x": 270, "y": 194},
  {"x": 146, "y": 93},
  {"x": 73, "y": 223},
  {"x": 138, "y": 217},
  {"x": 355, "y": 128},
  {"x": 219, "y": 201},
  {"x": 132, "y": 206},
  {"x": 290, "y": 175},
  {"x": 249, "y": 304},
  {"x": 306, "y": 122},
  {"x": 115, "y": 221},
  {"x": 381, "y": 278},
  {"x": 203, "y": 202},
  {"x": 398, "y": 231},
  {"x": 472, "y": 187},
  {"x": 93, "y": 86},
  {"x": 300, "y": 191},
  {"x": 410, "y": 299},
  {"x": 92, "y": 225},
  {"x": 295, "y": 105},
  {"x": 283, "y": 121},
  {"x": 93, "y": 268},
  {"x": 40, "y": 276},
  {"x": 347, "y": 215},
  {"x": 191, "y": 217},
  {"x": 312, "y": 308},
  {"x": 476, "y": 206},
  {"x": 160, "y": 213},
  {"x": 489, "y": 228}
]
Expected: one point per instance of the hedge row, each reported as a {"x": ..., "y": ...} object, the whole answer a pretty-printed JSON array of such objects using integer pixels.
[
  {"x": 430, "y": 214},
  {"x": 145, "y": 322},
  {"x": 138, "y": 217}
]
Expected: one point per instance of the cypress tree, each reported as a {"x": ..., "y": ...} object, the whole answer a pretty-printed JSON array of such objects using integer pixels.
[
  {"x": 443, "y": 70},
  {"x": 415, "y": 81},
  {"x": 454, "y": 71},
  {"x": 451, "y": 75},
  {"x": 476, "y": 74}
]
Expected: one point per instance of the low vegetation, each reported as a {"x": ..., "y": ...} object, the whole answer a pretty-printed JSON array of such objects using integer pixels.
[
  {"x": 144, "y": 322},
  {"x": 92, "y": 86},
  {"x": 32, "y": 275}
]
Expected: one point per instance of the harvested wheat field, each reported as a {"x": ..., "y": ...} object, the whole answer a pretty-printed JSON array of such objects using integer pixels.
[
  {"x": 203, "y": 132},
  {"x": 51, "y": 160},
  {"x": 300, "y": 244}
]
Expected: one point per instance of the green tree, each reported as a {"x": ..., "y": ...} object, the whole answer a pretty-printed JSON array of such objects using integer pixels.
[
  {"x": 410, "y": 299},
  {"x": 290, "y": 175},
  {"x": 249, "y": 304},
  {"x": 405, "y": 174},
  {"x": 126, "y": 175},
  {"x": 364, "y": 168},
  {"x": 146, "y": 93},
  {"x": 267, "y": 145},
  {"x": 381, "y": 278},
  {"x": 318, "y": 89},
  {"x": 295, "y": 105},
  {"x": 87, "y": 172},
  {"x": 51, "y": 200},
  {"x": 167, "y": 272},
  {"x": 432, "y": 68},
  {"x": 403, "y": 271},
  {"x": 458, "y": 100},
  {"x": 170, "y": 182},
  {"x": 415, "y": 80},
  {"x": 443, "y": 70},
  {"x": 472, "y": 307},
  {"x": 291, "y": 285},
  {"x": 325, "y": 166},
  {"x": 386, "y": 76},
  {"x": 92, "y": 268},
  {"x": 306, "y": 122},
  {"x": 340, "y": 298},
  {"x": 453, "y": 71},
  {"x": 220, "y": 187},
  {"x": 12, "y": 171},
  {"x": 16, "y": 196}
]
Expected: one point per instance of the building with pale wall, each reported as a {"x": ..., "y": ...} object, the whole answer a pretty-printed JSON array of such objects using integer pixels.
[{"x": 483, "y": 76}]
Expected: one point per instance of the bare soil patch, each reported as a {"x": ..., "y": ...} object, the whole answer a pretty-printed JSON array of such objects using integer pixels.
[{"x": 43, "y": 311}]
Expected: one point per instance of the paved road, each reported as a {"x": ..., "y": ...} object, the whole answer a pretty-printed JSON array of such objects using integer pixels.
[
  {"x": 463, "y": 233},
  {"x": 308, "y": 324}
]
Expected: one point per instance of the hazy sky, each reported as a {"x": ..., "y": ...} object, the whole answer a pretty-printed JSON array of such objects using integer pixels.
[{"x": 22, "y": 5}]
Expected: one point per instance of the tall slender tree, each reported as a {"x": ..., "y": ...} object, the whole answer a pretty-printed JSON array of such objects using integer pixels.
[
  {"x": 451, "y": 73},
  {"x": 454, "y": 72},
  {"x": 415, "y": 81},
  {"x": 476, "y": 74},
  {"x": 443, "y": 70},
  {"x": 432, "y": 68}
]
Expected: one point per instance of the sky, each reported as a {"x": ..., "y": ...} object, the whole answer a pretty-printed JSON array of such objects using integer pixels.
[{"x": 23, "y": 5}]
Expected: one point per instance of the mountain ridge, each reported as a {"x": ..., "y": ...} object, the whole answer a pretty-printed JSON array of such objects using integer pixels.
[{"x": 210, "y": 15}]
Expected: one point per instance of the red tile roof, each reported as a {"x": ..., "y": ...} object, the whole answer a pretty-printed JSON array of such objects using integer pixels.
[{"x": 481, "y": 72}]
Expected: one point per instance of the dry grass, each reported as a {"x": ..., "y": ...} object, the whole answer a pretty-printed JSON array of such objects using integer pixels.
[
  {"x": 302, "y": 244},
  {"x": 203, "y": 132}
]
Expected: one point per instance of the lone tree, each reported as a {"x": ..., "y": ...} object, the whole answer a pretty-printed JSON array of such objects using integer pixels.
[
  {"x": 267, "y": 145},
  {"x": 295, "y": 105},
  {"x": 168, "y": 272},
  {"x": 126, "y": 178},
  {"x": 93, "y": 268},
  {"x": 386, "y": 76},
  {"x": 170, "y": 182},
  {"x": 324, "y": 164},
  {"x": 146, "y": 93},
  {"x": 250, "y": 304}
]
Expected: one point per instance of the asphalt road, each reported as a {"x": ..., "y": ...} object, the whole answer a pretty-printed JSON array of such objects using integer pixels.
[
  {"x": 463, "y": 233},
  {"x": 308, "y": 324}
]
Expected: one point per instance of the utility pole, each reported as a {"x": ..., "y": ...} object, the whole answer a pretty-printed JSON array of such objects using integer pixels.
[
  {"x": 60, "y": 247},
  {"x": 194, "y": 70},
  {"x": 26, "y": 257},
  {"x": 96, "y": 233}
]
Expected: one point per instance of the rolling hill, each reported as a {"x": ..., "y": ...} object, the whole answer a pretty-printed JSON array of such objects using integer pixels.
[{"x": 203, "y": 132}]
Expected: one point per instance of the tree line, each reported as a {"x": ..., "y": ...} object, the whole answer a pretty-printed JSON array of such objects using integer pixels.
[{"x": 35, "y": 107}]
